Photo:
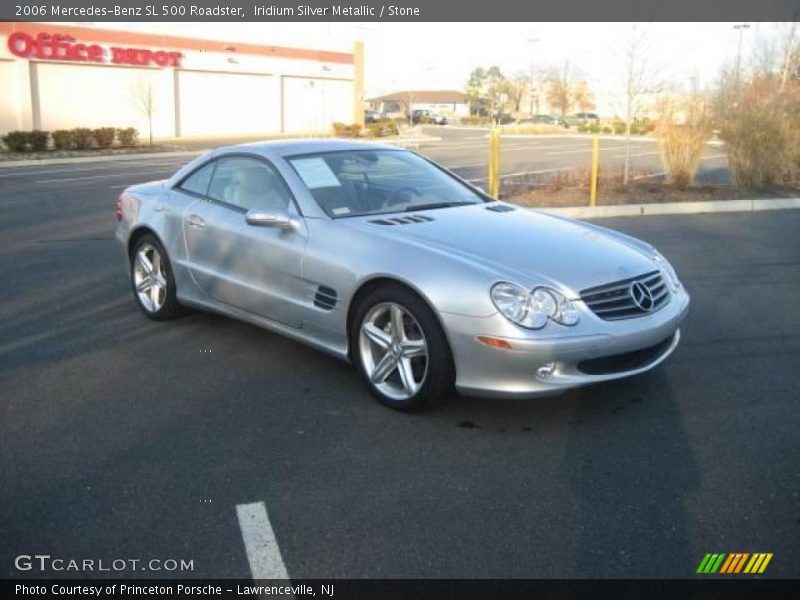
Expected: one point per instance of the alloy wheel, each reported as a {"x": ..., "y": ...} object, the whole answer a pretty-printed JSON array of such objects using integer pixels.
[
  {"x": 149, "y": 278},
  {"x": 394, "y": 352}
]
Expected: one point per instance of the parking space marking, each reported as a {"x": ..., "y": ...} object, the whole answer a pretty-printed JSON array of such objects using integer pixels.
[
  {"x": 260, "y": 544},
  {"x": 585, "y": 150},
  {"x": 84, "y": 177},
  {"x": 635, "y": 155},
  {"x": 483, "y": 164},
  {"x": 118, "y": 166},
  {"x": 520, "y": 173}
]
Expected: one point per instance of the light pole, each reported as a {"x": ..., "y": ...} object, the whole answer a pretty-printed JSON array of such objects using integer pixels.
[
  {"x": 532, "y": 41},
  {"x": 740, "y": 27}
]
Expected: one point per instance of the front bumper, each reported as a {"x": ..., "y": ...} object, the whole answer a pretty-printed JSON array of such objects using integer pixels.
[{"x": 628, "y": 347}]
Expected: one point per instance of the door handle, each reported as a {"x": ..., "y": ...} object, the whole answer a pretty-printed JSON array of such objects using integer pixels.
[{"x": 196, "y": 221}]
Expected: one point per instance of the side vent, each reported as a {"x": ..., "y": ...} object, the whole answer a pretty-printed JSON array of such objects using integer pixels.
[
  {"x": 403, "y": 220},
  {"x": 500, "y": 208},
  {"x": 325, "y": 298}
]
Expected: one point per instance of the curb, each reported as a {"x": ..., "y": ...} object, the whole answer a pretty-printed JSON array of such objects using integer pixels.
[
  {"x": 674, "y": 208},
  {"x": 38, "y": 162}
]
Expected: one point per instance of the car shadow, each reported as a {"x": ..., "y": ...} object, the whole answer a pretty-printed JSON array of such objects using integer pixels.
[{"x": 627, "y": 466}]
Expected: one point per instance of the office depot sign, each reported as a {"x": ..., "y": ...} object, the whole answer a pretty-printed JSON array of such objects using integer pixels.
[{"x": 63, "y": 47}]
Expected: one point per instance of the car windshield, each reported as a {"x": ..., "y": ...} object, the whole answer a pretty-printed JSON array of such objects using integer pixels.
[{"x": 370, "y": 182}]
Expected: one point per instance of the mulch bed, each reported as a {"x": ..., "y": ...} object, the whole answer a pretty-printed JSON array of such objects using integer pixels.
[{"x": 639, "y": 193}]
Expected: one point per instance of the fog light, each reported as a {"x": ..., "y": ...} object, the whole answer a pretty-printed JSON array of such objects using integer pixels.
[{"x": 545, "y": 371}]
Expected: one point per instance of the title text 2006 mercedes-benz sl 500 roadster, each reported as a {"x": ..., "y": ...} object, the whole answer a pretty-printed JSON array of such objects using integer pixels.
[{"x": 378, "y": 256}]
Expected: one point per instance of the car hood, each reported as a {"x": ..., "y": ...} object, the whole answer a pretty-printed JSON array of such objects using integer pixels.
[{"x": 528, "y": 246}]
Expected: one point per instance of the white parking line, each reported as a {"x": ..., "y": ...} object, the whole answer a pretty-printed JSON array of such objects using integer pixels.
[
  {"x": 84, "y": 177},
  {"x": 635, "y": 155},
  {"x": 585, "y": 150},
  {"x": 119, "y": 187},
  {"x": 118, "y": 165},
  {"x": 519, "y": 173},
  {"x": 260, "y": 544},
  {"x": 483, "y": 164}
]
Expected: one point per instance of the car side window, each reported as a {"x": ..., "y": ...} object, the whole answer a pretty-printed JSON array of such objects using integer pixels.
[
  {"x": 248, "y": 183},
  {"x": 197, "y": 182}
]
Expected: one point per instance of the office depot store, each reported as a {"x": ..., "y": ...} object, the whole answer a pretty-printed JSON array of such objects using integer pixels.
[{"x": 54, "y": 76}]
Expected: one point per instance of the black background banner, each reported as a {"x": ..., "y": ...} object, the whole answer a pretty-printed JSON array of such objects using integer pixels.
[
  {"x": 707, "y": 588},
  {"x": 400, "y": 10}
]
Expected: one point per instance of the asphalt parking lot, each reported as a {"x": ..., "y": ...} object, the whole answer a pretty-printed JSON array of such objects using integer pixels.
[{"x": 124, "y": 438}]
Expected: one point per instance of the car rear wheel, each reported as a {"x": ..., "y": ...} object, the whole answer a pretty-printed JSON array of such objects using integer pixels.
[
  {"x": 401, "y": 351},
  {"x": 152, "y": 280}
]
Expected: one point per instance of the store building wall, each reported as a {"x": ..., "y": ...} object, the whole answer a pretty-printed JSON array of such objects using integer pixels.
[{"x": 246, "y": 90}]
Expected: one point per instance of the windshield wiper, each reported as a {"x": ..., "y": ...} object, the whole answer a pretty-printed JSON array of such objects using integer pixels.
[{"x": 415, "y": 207}]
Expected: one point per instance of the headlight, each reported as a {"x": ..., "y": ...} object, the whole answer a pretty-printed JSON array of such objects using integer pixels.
[
  {"x": 533, "y": 309},
  {"x": 666, "y": 268},
  {"x": 566, "y": 312},
  {"x": 511, "y": 300}
]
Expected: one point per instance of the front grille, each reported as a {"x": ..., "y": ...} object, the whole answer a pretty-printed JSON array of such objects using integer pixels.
[
  {"x": 615, "y": 301},
  {"x": 629, "y": 361}
]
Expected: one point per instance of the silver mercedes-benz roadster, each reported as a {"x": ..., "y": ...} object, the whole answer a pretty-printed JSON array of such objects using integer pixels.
[{"x": 380, "y": 257}]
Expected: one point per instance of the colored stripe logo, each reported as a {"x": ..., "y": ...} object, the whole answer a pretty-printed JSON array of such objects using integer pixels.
[{"x": 734, "y": 563}]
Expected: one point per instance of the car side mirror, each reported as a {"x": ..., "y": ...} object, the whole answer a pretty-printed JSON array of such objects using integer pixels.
[{"x": 275, "y": 217}]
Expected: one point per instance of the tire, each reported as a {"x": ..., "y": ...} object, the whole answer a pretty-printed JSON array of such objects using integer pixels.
[
  {"x": 393, "y": 367},
  {"x": 161, "y": 304}
]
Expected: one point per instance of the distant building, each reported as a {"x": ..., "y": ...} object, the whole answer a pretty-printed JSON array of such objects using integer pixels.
[
  {"x": 57, "y": 76},
  {"x": 450, "y": 103}
]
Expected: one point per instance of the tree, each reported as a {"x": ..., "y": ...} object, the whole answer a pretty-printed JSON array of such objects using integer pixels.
[
  {"x": 537, "y": 81},
  {"x": 584, "y": 99},
  {"x": 515, "y": 90},
  {"x": 639, "y": 80},
  {"x": 756, "y": 115},
  {"x": 475, "y": 89},
  {"x": 564, "y": 88},
  {"x": 791, "y": 57},
  {"x": 144, "y": 102},
  {"x": 407, "y": 102},
  {"x": 495, "y": 89}
]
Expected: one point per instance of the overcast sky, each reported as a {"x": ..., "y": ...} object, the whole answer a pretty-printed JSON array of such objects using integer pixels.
[{"x": 441, "y": 55}]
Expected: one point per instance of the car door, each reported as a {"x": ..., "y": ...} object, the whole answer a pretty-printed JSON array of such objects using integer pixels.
[{"x": 253, "y": 268}]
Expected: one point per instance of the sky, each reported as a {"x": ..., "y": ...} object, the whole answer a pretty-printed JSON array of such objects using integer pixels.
[{"x": 441, "y": 55}]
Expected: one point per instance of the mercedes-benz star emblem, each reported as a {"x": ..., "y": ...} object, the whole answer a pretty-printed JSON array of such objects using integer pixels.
[{"x": 642, "y": 296}]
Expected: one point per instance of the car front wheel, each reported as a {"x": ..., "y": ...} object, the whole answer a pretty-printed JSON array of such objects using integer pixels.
[{"x": 401, "y": 350}]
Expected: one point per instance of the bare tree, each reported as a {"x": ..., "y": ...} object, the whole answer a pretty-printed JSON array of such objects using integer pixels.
[
  {"x": 584, "y": 99},
  {"x": 143, "y": 99},
  {"x": 515, "y": 89},
  {"x": 639, "y": 81},
  {"x": 564, "y": 88},
  {"x": 791, "y": 50},
  {"x": 407, "y": 102}
]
